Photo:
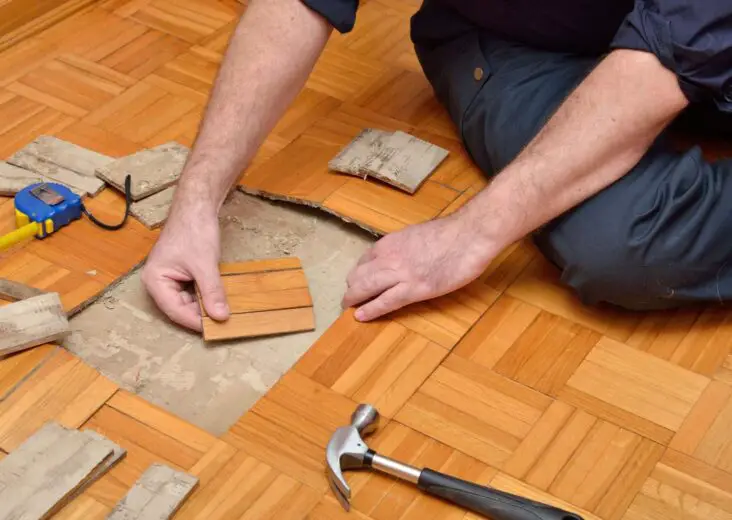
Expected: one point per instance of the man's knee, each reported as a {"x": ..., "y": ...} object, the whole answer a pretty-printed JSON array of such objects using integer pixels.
[{"x": 600, "y": 271}]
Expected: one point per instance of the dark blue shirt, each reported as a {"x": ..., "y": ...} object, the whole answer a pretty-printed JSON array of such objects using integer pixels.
[{"x": 693, "y": 38}]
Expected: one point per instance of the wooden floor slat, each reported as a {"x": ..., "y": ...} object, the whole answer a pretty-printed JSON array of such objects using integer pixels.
[{"x": 509, "y": 382}]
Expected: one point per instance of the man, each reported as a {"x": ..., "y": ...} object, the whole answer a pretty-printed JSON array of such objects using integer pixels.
[{"x": 565, "y": 103}]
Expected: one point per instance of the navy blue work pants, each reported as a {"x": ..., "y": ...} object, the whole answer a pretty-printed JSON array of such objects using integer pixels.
[{"x": 660, "y": 237}]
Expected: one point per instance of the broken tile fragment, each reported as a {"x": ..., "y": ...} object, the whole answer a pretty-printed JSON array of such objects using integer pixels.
[
  {"x": 153, "y": 211},
  {"x": 152, "y": 170},
  {"x": 13, "y": 179},
  {"x": 157, "y": 495},
  {"x": 68, "y": 155},
  {"x": 397, "y": 158},
  {"x": 55, "y": 173},
  {"x": 353, "y": 157}
]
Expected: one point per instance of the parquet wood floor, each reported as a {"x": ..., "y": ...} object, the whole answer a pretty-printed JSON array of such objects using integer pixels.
[{"x": 508, "y": 382}]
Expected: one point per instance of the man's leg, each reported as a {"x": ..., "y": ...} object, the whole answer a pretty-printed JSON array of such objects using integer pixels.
[{"x": 659, "y": 237}]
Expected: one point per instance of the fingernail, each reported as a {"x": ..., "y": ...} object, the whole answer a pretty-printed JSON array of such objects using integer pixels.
[
  {"x": 222, "y": 308},
  {"x": 360, "y": 315}
]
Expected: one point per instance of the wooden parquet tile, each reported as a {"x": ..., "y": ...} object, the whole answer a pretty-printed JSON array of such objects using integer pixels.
[
  {"x": 509, "y": 382},
  {"x": 265, "y": 297}
]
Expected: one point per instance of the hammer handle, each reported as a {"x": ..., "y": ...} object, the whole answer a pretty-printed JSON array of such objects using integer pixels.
[{"x": 496, "y": 505}]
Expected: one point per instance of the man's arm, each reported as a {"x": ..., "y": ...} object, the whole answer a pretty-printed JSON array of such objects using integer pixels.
[
  {"x": 269, "y": 58},
  {"x": 598, "y": 134}
]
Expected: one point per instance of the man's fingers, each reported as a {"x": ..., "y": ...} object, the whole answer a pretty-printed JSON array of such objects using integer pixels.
[
  {"x": 391, "y": 300},
  {"x": 212, "y": 293},
  {"x": 169, "y": 297},
  {"x": 368, "y": 281},
  {"x": 366, "y": 257}
]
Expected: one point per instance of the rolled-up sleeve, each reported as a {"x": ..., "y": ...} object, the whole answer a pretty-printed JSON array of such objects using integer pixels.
[
  {"x": 340, "y": 13},
  {"x": 693, "y": 38}
]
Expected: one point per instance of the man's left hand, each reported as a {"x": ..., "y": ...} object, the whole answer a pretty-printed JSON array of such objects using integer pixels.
[{"x": 418, "y": 263}]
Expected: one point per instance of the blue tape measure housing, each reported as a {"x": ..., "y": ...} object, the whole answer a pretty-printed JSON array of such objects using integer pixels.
[{"x": 47, "y": 201}]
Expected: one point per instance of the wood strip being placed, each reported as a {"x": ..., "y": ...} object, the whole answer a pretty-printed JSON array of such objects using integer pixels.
[
  {"x": 54, "y": 464},
  {"x": 48, "y": 170},
  {"x": 265, "y": 297},
  {"x": 255, "y": 324},
  {"x": 158, "y": 494},
  {"x": 32, "y": 322},
  {"x": 151, "y": 170}
]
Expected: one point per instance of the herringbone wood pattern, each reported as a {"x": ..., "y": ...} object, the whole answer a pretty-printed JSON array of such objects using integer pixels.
[{"x": 509, "y": 382}]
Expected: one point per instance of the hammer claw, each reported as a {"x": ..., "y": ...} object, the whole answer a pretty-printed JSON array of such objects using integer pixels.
[{"x": 340, "y": 496}]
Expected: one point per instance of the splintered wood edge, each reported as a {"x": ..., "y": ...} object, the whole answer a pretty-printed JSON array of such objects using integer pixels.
[
  {"x": 250, "y": 324},
  {"x": 294, "y": 200}
]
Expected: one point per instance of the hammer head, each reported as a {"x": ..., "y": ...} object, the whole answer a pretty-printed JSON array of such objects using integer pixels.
[{"x": 347, "y": 450}]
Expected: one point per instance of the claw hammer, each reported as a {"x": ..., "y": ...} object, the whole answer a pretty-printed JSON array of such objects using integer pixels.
[{"x": 347, "y": 450}]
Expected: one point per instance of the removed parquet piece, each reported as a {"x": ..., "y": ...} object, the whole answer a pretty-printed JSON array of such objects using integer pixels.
[
  {"x": 68, "y": 155},
  {"x": 153, "y": 210},
  {"x": 80, "y": 184},
  {"x": 14, "y": 179},
  {"x": 38, "y": 478},
  {"x": 399, "y": 159},
  {"x": 152, "y": 170},
  {"x": 12, "y": 290},
  {"x": 265, "y": 297},
  {"x": 28, "y": 323},
  {"x": 158, "y": 494}
]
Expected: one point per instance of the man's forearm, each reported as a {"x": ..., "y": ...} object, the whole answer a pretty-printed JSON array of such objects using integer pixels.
[
  {"x": 599, "y": 133},
  {"x": 268, "y": 61}
]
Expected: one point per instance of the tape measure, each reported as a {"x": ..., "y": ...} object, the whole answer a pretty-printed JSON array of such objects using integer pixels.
[{"x": 45, "y": 207}]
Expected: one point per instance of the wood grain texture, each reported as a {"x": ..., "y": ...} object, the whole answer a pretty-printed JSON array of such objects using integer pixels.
[
  {"x": 28, "y": 323},
  {"x": 510, "y": 381},
  {"x": 265, "y": 297}
]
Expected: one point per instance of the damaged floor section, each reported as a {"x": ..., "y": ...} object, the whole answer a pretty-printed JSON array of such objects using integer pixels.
[{"x": 127, "y": 338}]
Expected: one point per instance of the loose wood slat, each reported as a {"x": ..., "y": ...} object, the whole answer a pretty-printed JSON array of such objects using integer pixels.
[
  {"x": 48, "y": 170},
  {"x": 47, "y": 469},
  {"x": 151, "y": 170},
  {"x": 17, "y": 291},
  {"x": 67, "y": 155},
  {"x": 260, "y": 266},
  {"x": 13, "y": 179},
  {"x": 158, "y": 494},
  {"x": 28, "y": 323},
  {"x": 265, "y": 297},
  {"x": 249, "y": 325}
]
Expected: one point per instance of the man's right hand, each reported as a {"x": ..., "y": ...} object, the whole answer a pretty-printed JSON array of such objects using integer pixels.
[{"x": 188, "y": 250}]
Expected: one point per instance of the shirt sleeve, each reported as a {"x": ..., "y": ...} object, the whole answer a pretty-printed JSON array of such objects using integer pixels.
[
  {"x": 341, "y": 14},
  {"x": 693, "y": 38}
]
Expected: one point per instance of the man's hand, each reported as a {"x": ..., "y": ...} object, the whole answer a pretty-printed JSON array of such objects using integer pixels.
[
  {"x": 418, "y": 263},
  {"x": 188, "y": 251},
  {"x": 259, "y": 77}
]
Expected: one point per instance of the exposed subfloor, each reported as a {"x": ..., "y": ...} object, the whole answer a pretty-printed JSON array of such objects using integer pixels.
[{"x": 126, "y": 337}]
